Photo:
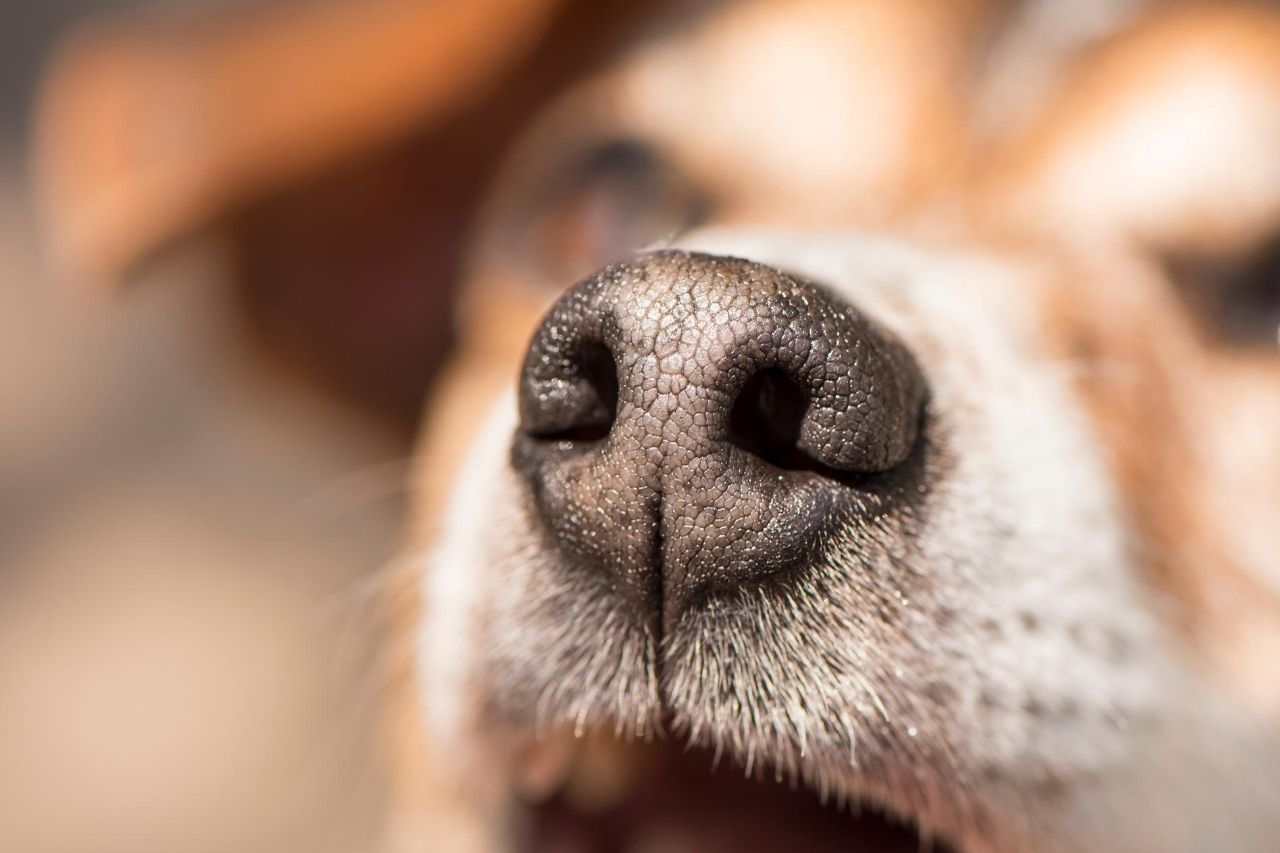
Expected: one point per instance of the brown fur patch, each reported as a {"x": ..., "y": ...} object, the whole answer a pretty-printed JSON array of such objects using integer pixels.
[{"x": 1138, "y": 368}]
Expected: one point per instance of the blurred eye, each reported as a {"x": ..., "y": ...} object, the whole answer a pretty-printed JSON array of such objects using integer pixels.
[
  {"x": 599, "y": 205},
  {"x": 1236, "y": 300}
]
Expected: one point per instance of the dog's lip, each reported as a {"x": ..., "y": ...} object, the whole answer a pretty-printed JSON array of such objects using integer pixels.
[{"x": 595, "y": 792}]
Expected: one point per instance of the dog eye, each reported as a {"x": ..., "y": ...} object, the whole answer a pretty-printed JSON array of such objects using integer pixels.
[
  {"x": 600, "y": 205},
  {"x": 1235, "y": 300}
]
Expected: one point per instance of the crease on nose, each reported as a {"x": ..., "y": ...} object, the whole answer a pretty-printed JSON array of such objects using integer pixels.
[{"x": 692, "y": 423}]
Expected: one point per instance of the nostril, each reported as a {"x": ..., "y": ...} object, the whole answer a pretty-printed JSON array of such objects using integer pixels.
[
  {"x": 591, "y": 415},
  {"x": 766, "y": 418}
]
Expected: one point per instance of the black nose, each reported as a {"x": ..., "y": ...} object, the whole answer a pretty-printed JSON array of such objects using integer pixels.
[{"x": 691, "y": 423}]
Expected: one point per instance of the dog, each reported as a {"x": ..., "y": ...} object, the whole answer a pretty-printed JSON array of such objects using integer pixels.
[
  {"x": 858, "y": 424},
  {"x": 914, "y": 487}
]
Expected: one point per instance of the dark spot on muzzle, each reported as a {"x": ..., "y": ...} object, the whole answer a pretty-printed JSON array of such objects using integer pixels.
[{"x": 691, "y": 422}]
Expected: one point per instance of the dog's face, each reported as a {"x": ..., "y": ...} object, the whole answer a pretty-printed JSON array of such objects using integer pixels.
[{"x": 974, "y": 528}]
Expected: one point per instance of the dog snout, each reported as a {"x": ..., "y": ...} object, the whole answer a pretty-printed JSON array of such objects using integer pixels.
[{"x": 692, "y": 423}]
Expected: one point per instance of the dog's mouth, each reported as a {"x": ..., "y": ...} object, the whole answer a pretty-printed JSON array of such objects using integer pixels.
[{"x": 604, "y": 796}]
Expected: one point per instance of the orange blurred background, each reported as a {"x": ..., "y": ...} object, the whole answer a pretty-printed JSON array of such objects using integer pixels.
[{"x": 193, "y": 529}]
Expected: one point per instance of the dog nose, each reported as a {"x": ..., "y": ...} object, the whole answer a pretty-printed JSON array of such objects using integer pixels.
[{"x": 692, "y": 424}]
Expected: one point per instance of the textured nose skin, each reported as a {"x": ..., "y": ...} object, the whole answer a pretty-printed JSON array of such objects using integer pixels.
[{"x": 691, "y": 423}]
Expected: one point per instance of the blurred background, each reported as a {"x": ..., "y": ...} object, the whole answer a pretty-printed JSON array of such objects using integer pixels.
[{"x": 191, "y": 527}]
